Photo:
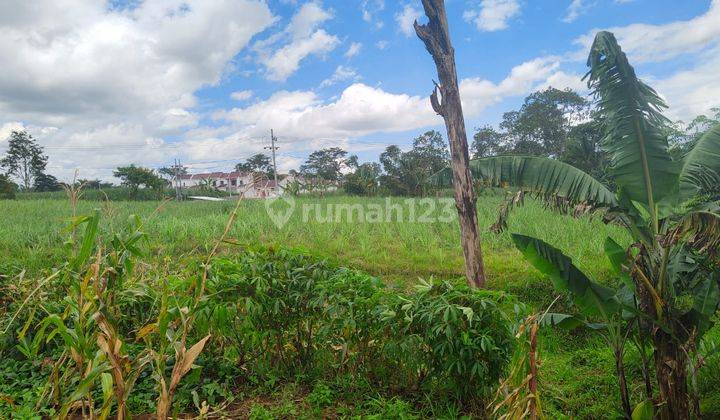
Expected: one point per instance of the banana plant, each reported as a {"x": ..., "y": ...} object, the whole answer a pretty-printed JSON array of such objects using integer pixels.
[{"x": 669, "y": 207}]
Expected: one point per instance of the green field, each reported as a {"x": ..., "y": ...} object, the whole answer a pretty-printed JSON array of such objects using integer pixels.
[{"x": 577, "y": 368}]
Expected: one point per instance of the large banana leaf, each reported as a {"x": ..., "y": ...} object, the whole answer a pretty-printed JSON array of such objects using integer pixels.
[
  {"x": 544, "y": 177},
  {"x": 593, "y": 298},
  {"x": 701, "y": 166},
  {"x": 639, "y": 160}
]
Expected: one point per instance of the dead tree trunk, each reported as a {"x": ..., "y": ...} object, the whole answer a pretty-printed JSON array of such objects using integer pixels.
[{"x": 436, "y": 37}]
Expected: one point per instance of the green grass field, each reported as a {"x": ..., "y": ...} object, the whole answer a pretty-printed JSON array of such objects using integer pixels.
[{"x": 577, "y": 368}]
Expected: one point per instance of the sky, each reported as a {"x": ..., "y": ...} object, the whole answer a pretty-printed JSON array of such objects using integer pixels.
[{"x": 102, "y": 84}]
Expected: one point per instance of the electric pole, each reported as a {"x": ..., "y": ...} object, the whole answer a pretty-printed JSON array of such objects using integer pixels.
[
  {"x": 273, "y": 148},
  {"x": 178, "y": 185}
]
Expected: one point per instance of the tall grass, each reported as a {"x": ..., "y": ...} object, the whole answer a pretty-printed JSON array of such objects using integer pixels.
[{"x": 30, "y": 234}]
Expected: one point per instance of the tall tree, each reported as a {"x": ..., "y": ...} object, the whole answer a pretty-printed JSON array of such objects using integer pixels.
[
  {"x": 45, "y": 182},
  {"x": 431, "y": 152},
  {"x": 24, "y": 158},
  {"x": 364, "y": 180},
  {"x": 326, "y": 164},
  {"x": 584, "y": 150},
  {"x": 487, "y": 142},
  {"x": 436, "y": 36},
  {"x": 135, "y": 176},
  {"x": 257, "y": 163},
  {"x": 169, "y": 172},
  {"x": 542, "y": 124}
]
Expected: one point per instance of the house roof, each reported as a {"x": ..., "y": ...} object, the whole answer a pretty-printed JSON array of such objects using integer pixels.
[{"x": 215, "y": 175}]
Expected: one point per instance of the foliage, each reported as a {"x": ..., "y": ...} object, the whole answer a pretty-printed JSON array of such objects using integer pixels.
[
  {"x": 45, "y": 182},
  {"x": 541, "y": 126},
  {"x": 170, "y": 172},
  {"x": 135, "y": 176},
  {"x": 670, "y": 275},
  {"x": 257, "y": 163},
  {"x": 454, "y": 336},
  {"x": 577, "y": 367},
  {"x": 24, "y": 158},
  {"x": 326, "y": 164},
  {"x": 7, "y": 188},
  {"x": 486, "y": 142},
  {"x": 408, "y": 173},
  {"x": 365, "y": 180}
]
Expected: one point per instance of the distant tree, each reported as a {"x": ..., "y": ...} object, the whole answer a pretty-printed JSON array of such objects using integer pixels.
[
  {"x": 486, "y": 142},
  {"x": 541, "y": 126},
  {"x": 408, "y": 173},
  {"x": 169, "y": 172},
  {"x": 430, "y": 152},
  {"x": 364, "y": 180},
  {"x": 257, "y": 163},
  {"x": 24, "y": 158},
  {"x": 682, "y": 138},
  {"x": 135, "y": 176},
  {"x": 7, "y": 188},
  {"x": 583, "y": 149},
  {"x": 45, "y": 182},
  {"x": 93, "y": 184},
  {"x": 326, "y": 164}
]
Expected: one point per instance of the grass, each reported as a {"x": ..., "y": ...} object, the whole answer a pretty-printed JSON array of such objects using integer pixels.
[{"x": 577, "y": 369}]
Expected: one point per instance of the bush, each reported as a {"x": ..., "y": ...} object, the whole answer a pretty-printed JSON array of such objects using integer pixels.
[
  {"x": 7, "y": 188},
  {"x": 293, "y": 314},
  {"x": 455, "y": 336}
]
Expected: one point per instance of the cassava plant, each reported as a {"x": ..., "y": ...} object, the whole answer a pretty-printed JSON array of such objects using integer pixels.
[{"x": 669, "y": 208}]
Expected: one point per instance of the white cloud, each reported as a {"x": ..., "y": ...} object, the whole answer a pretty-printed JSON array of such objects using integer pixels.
[
  {"x": 562, "y": 80},
  {"x": 691, "y": 90},
  {"x": 286, "y": 61},
  {"x": 300, "y": 39},
  {"x": 406, "y": 18},
  {"x": 359, "y": 110},
  {"x": 353, "y": 50},
  {"x": 370, "y": 9},
  {"x": 478, "y": 94},
  {"x": 72, "y": 70},
  {"x": 694, "y": 91},
  {"x": 653, "y": 43},
  {"x": 305, "y": 121},
  {"x": 493, "y": 14},
  {"x": 574, "y": 10},
  {"x": 7, "y": 128},
  {"x": 341, "y": 74},
  {"x": 382, "y": 44},
  {"x": 242, "y": 95}
]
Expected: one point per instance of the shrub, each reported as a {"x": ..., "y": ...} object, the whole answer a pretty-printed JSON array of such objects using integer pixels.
[
  {"x": 7, "y": 188},
  {"x": 291, "y": 314},
  {"x": 456, "y": 335}
]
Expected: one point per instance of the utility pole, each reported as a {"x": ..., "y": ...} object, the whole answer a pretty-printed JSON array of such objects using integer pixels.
[
  {"x": 273, "y": 148},
  {"x": 178, "y": 185}
]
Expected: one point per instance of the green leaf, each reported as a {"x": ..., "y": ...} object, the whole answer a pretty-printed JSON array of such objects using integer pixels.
[
  {"x": 701, "y": 166},
  {"x": 706, "y": 296},
  {"x": 543, "y": 177},
  {"x": 88, "y": 241},
  {"x": 639, "y": 160},
  {"x": 591, "y": 297},
  {"x": 568, "y": 322},
  {"x": 615, "y": 253},
  {"x": 643, "y": 411}
]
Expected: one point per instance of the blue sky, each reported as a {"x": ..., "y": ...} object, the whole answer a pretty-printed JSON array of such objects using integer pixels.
[{"x": 104, "y": 84}]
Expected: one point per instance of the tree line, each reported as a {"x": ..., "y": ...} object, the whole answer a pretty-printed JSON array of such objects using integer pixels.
[{"x": 559, "y": 124}]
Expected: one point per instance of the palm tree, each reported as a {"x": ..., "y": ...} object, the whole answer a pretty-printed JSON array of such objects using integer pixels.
[{"x": 671, "y": 270}]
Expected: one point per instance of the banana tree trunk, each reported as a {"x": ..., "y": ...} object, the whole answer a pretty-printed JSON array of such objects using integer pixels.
[
  {"x": 671, "y": 372},
  {"x": 436, "y": 37}
]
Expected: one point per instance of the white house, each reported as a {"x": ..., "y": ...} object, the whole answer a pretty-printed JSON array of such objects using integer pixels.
[{"x": 249, "y": 184}]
